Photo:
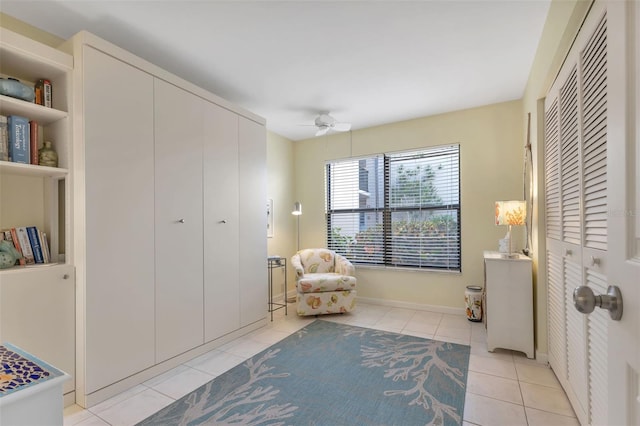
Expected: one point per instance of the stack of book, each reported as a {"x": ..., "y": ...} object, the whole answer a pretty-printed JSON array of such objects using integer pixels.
[
  {"x": 30, "y": 242},
  {"x": 18, "y": 139}
]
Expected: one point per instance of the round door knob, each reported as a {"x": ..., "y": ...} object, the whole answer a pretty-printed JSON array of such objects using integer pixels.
[
  {"x": 595, "y": 261},
  {"x": 65, "y": 277},
  {"x": 223, "y": 221},
  {"x": 568, "y": 252},
  {"x": 181, "y": 220},
  {"x": 585, "y": 301}
]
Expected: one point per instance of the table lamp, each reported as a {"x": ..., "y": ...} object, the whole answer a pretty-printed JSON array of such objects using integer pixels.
[{"x": 511, "y": 213}]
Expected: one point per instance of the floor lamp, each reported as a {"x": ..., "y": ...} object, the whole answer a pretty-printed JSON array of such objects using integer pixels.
[{"x": 297, "y": 211}]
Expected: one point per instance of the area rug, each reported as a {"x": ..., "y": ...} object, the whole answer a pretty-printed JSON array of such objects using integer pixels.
[{"x": 333, "y": 374}]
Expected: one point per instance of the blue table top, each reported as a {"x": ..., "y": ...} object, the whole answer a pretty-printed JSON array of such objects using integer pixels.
[{"x": 19, "y": 370}]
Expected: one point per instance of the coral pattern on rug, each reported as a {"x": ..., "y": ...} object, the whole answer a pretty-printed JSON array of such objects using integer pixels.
[{"x": 334, "y": 374}]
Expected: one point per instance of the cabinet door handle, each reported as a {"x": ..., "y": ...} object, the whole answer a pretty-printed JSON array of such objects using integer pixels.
[
  {"x": 595, "y": 261},
  {"x": 180, "y": 220},
  {"x": 223, "y": 221},
  {"x": 65, "y": 277},
  {"x": 568, "y": 252}
]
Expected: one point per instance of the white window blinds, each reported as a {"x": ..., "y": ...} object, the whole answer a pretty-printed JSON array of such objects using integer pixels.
[{"x": 400, "y": 209}]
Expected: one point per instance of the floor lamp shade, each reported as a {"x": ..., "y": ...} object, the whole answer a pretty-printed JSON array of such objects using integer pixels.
[{"x": 297, "y": 211}]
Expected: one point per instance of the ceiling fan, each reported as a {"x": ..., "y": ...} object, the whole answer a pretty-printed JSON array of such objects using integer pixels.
[{"x": 325, "y": 122}]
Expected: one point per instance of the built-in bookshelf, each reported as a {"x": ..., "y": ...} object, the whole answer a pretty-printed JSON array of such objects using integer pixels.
[
  {"x": 36, "y": 195},
  {"x": 37, "y": 301}
]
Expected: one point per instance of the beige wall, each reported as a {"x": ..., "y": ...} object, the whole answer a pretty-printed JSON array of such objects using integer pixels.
[
  {"x": 491, "y": 151},
  {"x": 562, "y": 24},
  {"x": 280, "y": 189}
]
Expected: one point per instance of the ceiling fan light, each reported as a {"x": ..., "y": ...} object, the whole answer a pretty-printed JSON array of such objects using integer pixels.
[
  {"x": 342, "y": 127},
  {"x": 322, "y": 130}
]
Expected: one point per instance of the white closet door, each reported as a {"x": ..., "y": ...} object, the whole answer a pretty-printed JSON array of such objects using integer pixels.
[
  {"x": 579, "y": 100},
  {"x": 119, "y": 276},
  {"x": 571, "y": 184},
  {"x": 178, "y": 218},
  {"x": 593, "y": 64},
  {"x": 253, "y": 221},
  {"x": 221, "y": 225}
]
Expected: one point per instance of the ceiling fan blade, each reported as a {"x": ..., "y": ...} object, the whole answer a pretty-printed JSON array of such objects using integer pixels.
[
  {"x": 322, "y": 131},
  {"x": 342, "y": 127}
]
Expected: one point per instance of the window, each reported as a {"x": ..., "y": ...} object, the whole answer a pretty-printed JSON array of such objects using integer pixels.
[{"x": 400, "y": 209}]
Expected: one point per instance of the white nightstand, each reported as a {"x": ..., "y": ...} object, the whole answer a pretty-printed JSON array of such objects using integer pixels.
[{"x": 508, "y": 315}]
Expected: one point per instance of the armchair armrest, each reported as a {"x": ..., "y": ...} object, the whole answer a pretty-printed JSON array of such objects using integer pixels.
[
  {"x": 296, "y": 264},
  {"x": 344, "y": 266}
]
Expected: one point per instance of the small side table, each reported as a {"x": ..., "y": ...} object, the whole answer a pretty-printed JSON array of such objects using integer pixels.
[
  {"x": 30, "y": 389},
  {"x": 276, "y": 263}
]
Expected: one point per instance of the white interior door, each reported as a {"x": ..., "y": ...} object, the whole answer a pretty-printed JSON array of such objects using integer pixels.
[{"x": 623, "y": 218}]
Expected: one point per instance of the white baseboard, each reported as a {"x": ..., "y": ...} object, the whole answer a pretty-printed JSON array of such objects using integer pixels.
[
  {"x": 155, "y": 370},
  {"x": 414, "y": 306},
  {"x": 542, "y": 358},
  {"x": 397, "y": 304}
]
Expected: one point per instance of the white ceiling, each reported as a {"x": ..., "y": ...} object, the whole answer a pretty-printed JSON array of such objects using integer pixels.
[{"x": 366, "y": 62}]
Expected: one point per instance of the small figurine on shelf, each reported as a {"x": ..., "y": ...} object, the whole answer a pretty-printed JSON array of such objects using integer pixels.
[
  {"x": 47, "y": 156},
  {"x": 8, "y": 254}
]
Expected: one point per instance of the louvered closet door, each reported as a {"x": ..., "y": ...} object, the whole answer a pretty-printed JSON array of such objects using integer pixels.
[
  {"x": 557, "y": 351},
  {"x": 570, "y": 189},
  {"x": 594, "y": 179},
  {"x": 575, "y": 209}
]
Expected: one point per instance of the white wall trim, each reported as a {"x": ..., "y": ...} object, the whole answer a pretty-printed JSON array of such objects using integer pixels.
[{"x": 409, "y": 305}]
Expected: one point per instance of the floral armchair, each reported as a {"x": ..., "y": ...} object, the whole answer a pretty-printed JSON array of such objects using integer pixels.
[{"x": 325, "y": 282}]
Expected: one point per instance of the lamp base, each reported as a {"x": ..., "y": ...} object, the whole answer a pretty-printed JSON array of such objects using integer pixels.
[{"x": 509, "y": 255}]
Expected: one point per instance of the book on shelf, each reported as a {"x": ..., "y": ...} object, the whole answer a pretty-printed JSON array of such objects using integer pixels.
[
  {"x": 4, "y": 139},
  {"x": 7, "y": 235},
  {"x": 33, "y": 141},
  {"x": 43, "y": 95},
  {"x": 16, "y": 243},
  {"x": 19, "y": 141},
  {"x": 25, "y": 245},
  {"x": 36, "y": 246},
  {"x": 46, "y": 254}
]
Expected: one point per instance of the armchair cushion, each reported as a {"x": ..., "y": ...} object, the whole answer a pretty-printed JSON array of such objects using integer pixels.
[
  {"x": 314, "y": 283},
  {"x": 314, "y": 261}
]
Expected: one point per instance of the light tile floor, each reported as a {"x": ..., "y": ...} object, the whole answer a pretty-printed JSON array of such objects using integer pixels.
[{"x": 503, "y": 388}]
